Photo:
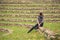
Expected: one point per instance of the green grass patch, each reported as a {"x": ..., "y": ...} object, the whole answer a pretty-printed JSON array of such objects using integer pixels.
[
  {"x": 20, "y": 33},
  {"x": 2, "y": 33},
  {"x": 6, "y": 22}
]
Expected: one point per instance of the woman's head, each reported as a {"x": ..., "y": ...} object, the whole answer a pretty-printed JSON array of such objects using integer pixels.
[{"x": 41, "y": 14}]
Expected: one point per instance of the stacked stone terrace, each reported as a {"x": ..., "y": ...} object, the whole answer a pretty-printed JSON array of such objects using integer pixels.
[{"x": 25, "y": 12}]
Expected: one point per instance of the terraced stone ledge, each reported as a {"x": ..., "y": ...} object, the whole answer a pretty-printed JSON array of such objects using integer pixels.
[{"x": 7, "y": 31}]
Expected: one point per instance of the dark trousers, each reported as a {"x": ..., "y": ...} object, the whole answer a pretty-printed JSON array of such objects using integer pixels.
[{"x": 36, "y": 26}]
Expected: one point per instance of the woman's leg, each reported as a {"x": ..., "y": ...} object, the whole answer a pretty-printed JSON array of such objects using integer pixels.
[{"x": 41, "y": 25}]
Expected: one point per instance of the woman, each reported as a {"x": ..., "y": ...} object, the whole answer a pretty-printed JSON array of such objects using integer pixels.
[{"x": 40, "y": 20}]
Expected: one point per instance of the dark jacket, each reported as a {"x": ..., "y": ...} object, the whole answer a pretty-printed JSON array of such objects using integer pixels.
[{"x": 40, "y": 19}]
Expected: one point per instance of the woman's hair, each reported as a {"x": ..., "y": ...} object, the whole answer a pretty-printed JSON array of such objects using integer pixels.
[{"x": 41, "y": 14}]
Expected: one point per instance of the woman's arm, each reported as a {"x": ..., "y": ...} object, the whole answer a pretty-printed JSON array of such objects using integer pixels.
[
  {"x": 38, "y": 23},
  {"x": 40, "y": 20}
]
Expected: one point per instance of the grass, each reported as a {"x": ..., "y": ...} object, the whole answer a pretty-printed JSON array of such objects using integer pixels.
[
  {"x": 1, "y": 33},
  {"x": 20, "y": 33},
  {"x": 53, "y": 26},
  {"x": 7, "y": 22}
]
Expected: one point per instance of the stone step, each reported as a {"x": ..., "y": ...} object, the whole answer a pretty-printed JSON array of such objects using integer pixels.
[
  {"x": 26, "y": 20},
  {"x": 27, "y": 8},
  {"x": 29, "y": 1},
  {"x": 30, "y": 15},
  {"x": 29, "y": 12},
  {"x": 44, "y": 7},
  {"x": 20, "y": 24},
  {"x": 6, "y": 22},
  {"x": 30, "y": 5}
]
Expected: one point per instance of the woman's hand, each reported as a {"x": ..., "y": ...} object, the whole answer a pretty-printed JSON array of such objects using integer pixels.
[{"x": 39, "y": 25}]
